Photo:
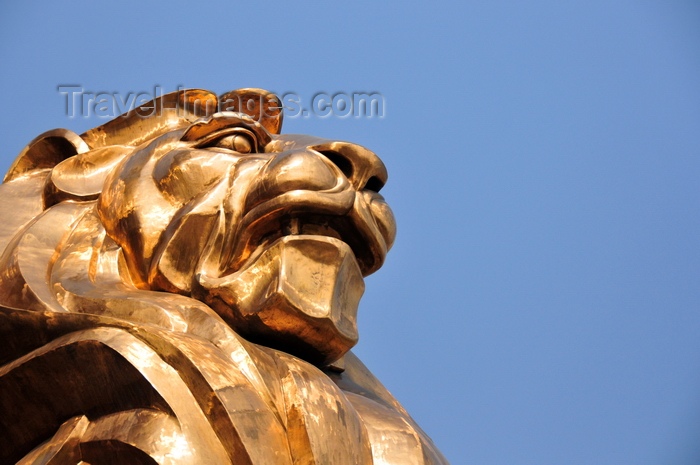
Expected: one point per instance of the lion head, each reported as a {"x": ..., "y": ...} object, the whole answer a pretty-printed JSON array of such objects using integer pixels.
[{"x": 201, "y": 197}]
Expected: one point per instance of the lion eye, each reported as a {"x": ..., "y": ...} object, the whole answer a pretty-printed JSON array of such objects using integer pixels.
[{"x": 236, "y": 142}]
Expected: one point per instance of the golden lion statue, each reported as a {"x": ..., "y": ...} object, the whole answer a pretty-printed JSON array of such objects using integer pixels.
[{"x": 180, "y": 286}]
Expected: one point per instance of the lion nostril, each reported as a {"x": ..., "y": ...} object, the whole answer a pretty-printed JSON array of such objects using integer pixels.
[
  {"x": 374, "y": 184},
  {"x": 340, "y": 161},
  {"x": 358, "y": 164}
]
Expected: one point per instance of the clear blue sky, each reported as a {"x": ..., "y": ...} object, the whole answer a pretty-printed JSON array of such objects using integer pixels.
[{"x": 542, "y": 302}]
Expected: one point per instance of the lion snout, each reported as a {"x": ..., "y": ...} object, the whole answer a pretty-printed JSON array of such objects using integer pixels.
[{"x": 298, "y": 170}]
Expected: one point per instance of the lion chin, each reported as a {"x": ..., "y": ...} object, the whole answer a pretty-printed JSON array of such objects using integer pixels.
[{"x": 202, "y": 255}]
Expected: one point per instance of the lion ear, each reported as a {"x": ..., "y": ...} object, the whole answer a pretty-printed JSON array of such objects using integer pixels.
[
  {"x": 46, "y": 151},
  {"x": 261, "y": 105},
  {"x": 82, "y": 176}
]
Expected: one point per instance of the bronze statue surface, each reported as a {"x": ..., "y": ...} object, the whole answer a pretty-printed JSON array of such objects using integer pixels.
[{"x": 180, "y": 286}]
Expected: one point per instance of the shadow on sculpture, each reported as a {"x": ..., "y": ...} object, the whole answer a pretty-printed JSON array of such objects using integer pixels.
[{"x": 180, "y": 285}]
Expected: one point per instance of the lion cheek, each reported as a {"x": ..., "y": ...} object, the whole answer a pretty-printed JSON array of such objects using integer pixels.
[{"x": 176, "y": 260}]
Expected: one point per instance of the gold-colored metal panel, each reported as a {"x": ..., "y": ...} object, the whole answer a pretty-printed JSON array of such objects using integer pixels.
[{"x": 180, "y": 285}]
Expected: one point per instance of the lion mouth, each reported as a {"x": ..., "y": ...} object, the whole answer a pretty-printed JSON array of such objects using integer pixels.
[
  {"x": 294, "y": 277},
  {"x": 341, "y": 215}
]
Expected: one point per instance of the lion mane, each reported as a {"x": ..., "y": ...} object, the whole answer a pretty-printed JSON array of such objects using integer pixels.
[{"x": 179, "y": 285}]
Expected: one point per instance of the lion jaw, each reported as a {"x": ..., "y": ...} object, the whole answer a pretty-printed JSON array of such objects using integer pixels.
[{"x": 300, "y": 295}]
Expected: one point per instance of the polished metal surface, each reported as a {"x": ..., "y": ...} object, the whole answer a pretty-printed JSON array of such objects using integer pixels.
[{"x": 180, "y": 286}]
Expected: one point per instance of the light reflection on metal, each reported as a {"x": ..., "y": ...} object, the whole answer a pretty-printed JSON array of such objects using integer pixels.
[{"x": 180, "y": 285}]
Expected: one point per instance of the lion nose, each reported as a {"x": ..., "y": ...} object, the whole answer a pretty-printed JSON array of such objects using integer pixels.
[
  {"x": 298, "y": 170},
  {"x": 362, "y": 167}
]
